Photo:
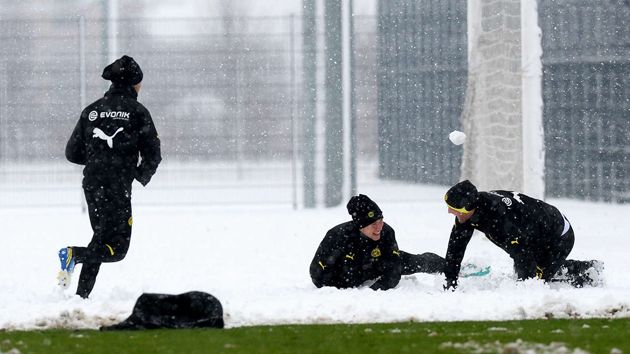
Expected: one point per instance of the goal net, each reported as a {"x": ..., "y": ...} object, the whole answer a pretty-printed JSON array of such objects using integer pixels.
[{"x": 502, "y": 116}]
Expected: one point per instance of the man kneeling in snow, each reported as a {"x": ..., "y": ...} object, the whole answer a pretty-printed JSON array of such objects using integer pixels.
[
  {"x": 536, "y": 235},
  {"x": 365, "y": 249}
]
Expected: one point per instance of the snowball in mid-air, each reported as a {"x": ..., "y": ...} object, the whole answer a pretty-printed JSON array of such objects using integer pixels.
[{"x": 457, "y": 137}]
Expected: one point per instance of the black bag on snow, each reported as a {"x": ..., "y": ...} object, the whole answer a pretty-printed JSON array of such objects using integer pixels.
[{"x": 193, "y": 309}]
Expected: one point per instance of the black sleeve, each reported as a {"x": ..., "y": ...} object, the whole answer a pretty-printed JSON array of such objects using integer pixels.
[
  {"x": 392, "y": 265},
  {"x": 75, "y": 148},
  {"x": 327, "y": 259},
  {"x": 150, "y": 152},
  {"x": 457, "y": 243}
]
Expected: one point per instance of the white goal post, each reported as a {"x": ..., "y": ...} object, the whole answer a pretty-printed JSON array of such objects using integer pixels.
[{"x": 502, "y": 116}]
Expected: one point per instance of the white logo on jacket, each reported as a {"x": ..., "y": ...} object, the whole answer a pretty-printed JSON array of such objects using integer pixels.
[
  {"x": 517, "y": 197},
  {"x": 101, "y": 135},
  {"x": 115, "y": 115}
]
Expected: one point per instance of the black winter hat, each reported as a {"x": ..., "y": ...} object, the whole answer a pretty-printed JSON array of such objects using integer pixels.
[
  {"x": 462, "y": 195},
  {"x": 123, "y": 71},
  {"x": 363, "y": 210}
]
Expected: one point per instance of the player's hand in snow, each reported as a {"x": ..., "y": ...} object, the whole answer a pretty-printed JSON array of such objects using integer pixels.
[{"x": 451, "y": 284}]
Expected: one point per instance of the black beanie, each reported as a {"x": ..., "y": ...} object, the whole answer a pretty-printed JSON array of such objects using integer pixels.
[
  {"x": 462, "y": 195},
  {"x": 363, "y": 210},
  {"x": 123, "y": 71}
]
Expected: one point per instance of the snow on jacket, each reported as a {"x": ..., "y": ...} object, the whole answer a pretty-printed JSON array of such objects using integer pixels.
[
  {"x": 522, "y": 226},
  {"x": 345, "y": 258},
  {"x": 110, "y": 136}
]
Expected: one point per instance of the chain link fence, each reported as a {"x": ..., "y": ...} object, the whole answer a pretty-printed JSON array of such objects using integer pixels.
[
  {"x": 225, "y": 94},
  {"x": 586, "y": 82},
  {"x": 586, "y": 95}
]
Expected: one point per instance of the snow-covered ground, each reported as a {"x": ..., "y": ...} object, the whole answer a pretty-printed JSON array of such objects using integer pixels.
[{"x": 255, "y": 260}]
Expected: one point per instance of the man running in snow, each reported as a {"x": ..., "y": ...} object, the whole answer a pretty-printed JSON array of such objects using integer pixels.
[
  {"x": 365, "y": 249},
  {"x": 535, "y": 234},
  {"x": 108, "y": 139}
]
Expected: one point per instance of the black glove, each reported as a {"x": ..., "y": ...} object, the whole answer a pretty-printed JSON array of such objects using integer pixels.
[
  {"x": 141, "y": 177},
  {"x": 451, "y": 284}
]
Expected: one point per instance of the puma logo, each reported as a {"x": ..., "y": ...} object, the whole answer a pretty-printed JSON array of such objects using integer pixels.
[{"x": 98, "y": 133}]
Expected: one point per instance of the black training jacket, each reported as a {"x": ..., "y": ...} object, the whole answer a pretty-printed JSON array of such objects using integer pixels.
[
  {"x": 346, "y": 258},
  {"x": 522, "y": 226},
  {"x": 110, "y": 135}
]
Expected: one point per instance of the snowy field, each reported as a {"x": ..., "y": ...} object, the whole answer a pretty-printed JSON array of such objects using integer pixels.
[{"x": 255, "y": 261}]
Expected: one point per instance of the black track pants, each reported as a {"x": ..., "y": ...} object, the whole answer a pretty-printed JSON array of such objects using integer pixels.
[
  {"x": 421, "y": 263},
  {"x": 109, "y": 207},
  {"x": 544, "y": 263}
]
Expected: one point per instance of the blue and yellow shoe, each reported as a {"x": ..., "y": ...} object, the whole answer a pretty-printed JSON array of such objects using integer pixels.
[
  {"x": 67, "y": 259},
  {"x": 67, "y": 267}
]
